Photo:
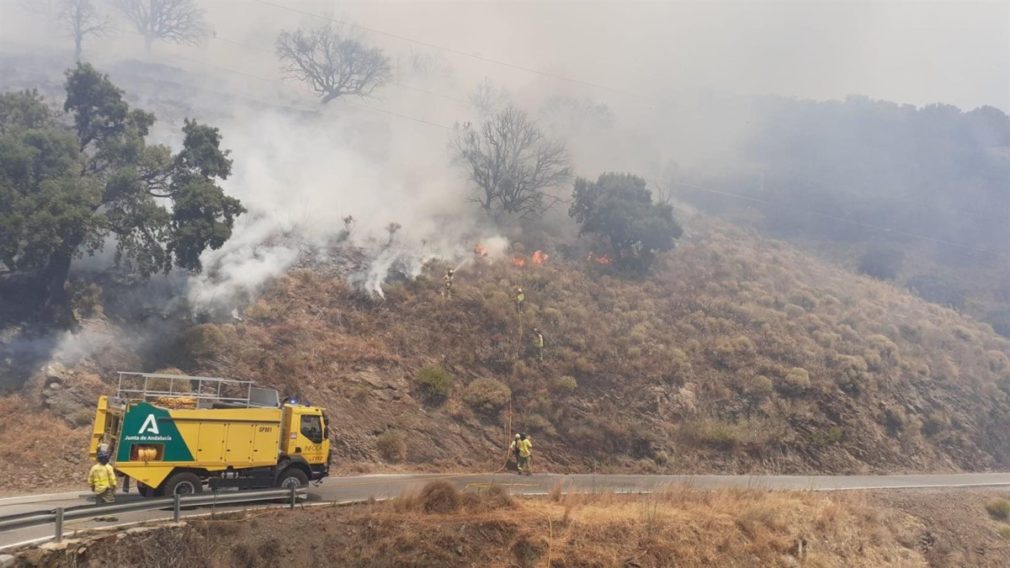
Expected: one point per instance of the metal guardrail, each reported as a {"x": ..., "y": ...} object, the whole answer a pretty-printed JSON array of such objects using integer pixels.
[{"x": 60, "y": 514}]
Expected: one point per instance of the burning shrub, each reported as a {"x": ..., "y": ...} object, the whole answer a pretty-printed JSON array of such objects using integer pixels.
[
  {"x": 392, "y": 445},
  {"x": 436, "y": 383},
  {"x": 487, "y": 395},
  {"x": 619, "y": 208}
]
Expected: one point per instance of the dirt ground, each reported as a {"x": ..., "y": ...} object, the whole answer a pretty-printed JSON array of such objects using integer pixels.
[{"x": 682, "y": 527}]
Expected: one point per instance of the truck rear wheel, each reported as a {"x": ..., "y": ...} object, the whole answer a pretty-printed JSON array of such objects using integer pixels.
[
  {"x": 292, "y": 477},
  {"x": 182, "y": 483}
]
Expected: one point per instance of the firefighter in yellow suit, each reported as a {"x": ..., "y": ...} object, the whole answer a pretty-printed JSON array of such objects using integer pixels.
[
  {"x": 522, "y": 447},
  {"x": 102, "y": 479}
]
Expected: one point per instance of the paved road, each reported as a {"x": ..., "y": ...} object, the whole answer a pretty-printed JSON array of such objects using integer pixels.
[{"x": 356, "y": 488}]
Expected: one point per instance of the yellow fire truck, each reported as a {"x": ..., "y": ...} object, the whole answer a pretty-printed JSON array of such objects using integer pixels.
[{"x": 173, "y": 434}]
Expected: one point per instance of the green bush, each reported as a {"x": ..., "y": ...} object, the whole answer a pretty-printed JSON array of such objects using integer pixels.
[
  {"x": 487, "y": 395},
  {"x": 392, "y": 445},
  {"x": 436, "y": 383},
  {"x": 999, "y": 509}
]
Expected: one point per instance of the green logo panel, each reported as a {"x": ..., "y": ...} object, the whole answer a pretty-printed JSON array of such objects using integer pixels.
[{"x": 147, "y": 424}]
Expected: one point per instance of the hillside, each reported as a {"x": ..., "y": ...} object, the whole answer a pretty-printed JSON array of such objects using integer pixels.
[{"x": 738, "y": 354}]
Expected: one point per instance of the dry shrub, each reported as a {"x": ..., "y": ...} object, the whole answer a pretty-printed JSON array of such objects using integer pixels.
[
  {"x": 392, "y": 445},
  {"x": 999, "y": 509},
  {"x": 439, "y": 497},
  {"x": 436, "y": 383},
  {"x": 201, "y": 344},
  {"x": 733, "y": 353},
  {"x": 566, "y": 384},
  {"x": 796, "y": 381},
  {"x": 487, "y": 395},
  {"x": 730, "y": 435},
  {"x": 527, "y": 550},
  {"x": 495, "y": 497}
]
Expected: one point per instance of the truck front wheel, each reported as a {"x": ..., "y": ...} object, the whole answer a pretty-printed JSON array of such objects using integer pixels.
[
  {"x": 182, "y": 483},
  {"x": 292, "y": 477}
]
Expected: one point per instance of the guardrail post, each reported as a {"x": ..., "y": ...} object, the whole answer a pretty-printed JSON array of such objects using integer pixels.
[
  {"x": 294, "y": 494},
  {"x": 177, "y": 507},
  {"x": 59, "y": 524}
]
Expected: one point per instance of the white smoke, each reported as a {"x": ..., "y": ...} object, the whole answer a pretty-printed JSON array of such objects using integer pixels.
[{"x": 300, "y": 176}]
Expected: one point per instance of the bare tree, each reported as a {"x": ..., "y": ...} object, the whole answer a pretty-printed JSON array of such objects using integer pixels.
[
  {"x": 488, "y": 98},
  {"x": 511, "y": 161},
  {"x": 176, "y": 21},
  {"x": 333, "y": 64},
  {"x": 665, "y": 182},
  {"x": 78, "y": 19}
]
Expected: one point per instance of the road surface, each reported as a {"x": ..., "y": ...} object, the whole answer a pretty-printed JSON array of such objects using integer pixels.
[{"x": 359, "y": 488}]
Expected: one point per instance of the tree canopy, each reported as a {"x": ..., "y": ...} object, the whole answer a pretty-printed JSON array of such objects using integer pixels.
[
  {"x": 619, "y": 209},
  {"x": 66, "y": 189}
]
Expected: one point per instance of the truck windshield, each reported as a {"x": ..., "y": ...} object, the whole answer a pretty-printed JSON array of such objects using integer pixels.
[{"x": 312, "y": 428}]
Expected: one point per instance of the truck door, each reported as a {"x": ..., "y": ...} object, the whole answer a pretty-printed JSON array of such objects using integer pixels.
[{"x": 310, "y": 436}]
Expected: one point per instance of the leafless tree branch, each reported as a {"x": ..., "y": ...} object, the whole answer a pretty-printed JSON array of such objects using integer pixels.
[
  {"x": 511, "y": 162},
  {"x": 176, "y": 21},
  {"x": 78, "y": 19},
  {"x": 331, "y": 63}
]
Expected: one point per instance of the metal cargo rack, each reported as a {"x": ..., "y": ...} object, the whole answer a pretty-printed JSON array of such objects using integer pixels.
[{"x": 206, "y": 392}]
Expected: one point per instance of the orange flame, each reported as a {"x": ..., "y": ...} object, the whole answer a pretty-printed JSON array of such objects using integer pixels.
[
  {"x": 601, "y": 260},
  {"x": 539, "y": 258},
  {"x": 518, "y": 261},
  {"x": 480, "y": 250}
]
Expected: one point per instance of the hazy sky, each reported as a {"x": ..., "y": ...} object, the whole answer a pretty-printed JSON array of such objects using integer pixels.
[{"x": 914, "y": 52}]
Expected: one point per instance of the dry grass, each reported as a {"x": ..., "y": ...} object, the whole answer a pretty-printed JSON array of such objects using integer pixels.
[
  {"x": 738, "y": 353},
  {"x": 438, "y": 526},
  {"x": 39, "y": 449}
]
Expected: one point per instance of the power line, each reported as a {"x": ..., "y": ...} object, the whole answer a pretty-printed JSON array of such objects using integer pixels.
[{"x": 446, "y": 49}]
